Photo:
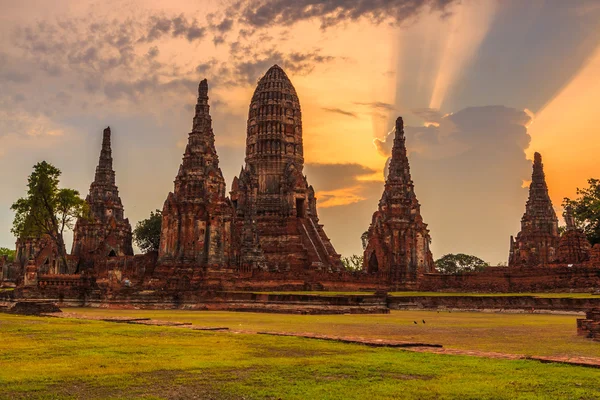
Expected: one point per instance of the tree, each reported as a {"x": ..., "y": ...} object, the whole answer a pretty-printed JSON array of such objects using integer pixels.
[
  {"x": 353, "y": 263},
  {"x": 147, "y": 232},
  {"x": 7, "y": 252},
  {"x": 586, "y": 210},
  {"x": 48, "y": 210},
  {"x": 459, "y": 263}
]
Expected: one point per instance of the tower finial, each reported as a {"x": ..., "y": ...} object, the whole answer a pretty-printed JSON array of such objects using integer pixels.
[{"x": 203, "y": 88}]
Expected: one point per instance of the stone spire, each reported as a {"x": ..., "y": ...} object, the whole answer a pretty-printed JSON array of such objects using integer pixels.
[
  {"x": 196, "y": 216},
  {"x": 539, "y": 206},
  {"x": 399, "y": 168},
  {"x": 397, "y": 242},
  {"x": 537, "y": 242},
  {"x": 200, "y": 157},
  {"x": 104, "y": 171},
  {"x": 103, "y": 191},
  {"x": 107, "y": 231}
]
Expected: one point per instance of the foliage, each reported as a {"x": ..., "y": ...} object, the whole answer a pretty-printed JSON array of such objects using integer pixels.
[
  {"x": 586, "y": 210},
  {"x": 7, "y": 252},
  {"x": 47, "y": 210},
  {"x": 147, "y": 232},
  {"x": 353, "y": 263},
  {"x": 459, "y": 263}
]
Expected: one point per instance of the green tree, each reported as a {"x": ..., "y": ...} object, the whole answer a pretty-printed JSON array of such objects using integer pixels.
[
  {"x": 7, "y": 252},
  {"x": 47, "y": 209},
  {"x": 459, "y": 263},
  {"x": 586, "y": 210},
  {"x": 353, "y": 263},
  {"x": 147, "y": 232}
]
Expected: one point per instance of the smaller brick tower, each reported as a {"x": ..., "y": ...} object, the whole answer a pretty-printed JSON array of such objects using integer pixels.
[
  {"x": 537, "y": 242},
  {"x": 573, "y": 246},
  {"x": 398, "y": 240},
  {"x": 196, "y": 217},
  {"x": 107, "y": 233}
]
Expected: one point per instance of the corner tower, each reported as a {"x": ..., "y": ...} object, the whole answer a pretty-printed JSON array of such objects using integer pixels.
[
  {"x": 537, "y": 242},
  {"x": 398, "y": 240},
  {"x": 106, "y": 233},
  {"x": 275, "y": 207}
]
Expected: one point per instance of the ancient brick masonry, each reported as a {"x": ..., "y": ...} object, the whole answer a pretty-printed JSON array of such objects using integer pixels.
[
  {"x": 106, "y": 233},
  {"x": 397, "y": 242},
  {"x": 573, "y": 246},
  {"x": 275, "y": 207},
  {"x": 197, "y": 217},
  {"x": 537, "y": 242},
  {"x": 590, "y": 325}
]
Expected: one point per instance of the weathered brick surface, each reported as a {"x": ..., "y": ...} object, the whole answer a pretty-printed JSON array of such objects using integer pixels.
[
  {"x": 590, "y": 325},
  {"x": 275, "y": 207},
  {"x": 397, "y": 242},
  {"x": 106, "y": 233},
  {"x": 537, "y": 242}
]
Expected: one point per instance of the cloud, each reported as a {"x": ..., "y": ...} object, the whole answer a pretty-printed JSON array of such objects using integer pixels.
[
  {"x": 178, "y": 26},
  {"x": 340, "y": 184},
  {"x": 378, "y": 105},
  {"x": 488, "y": 128},
  {"x": 340, "y": 111},
  {"x": 329, "y": 177},
  {"x": 268, "y": 13},
  {"x": 251, "y": 65}
]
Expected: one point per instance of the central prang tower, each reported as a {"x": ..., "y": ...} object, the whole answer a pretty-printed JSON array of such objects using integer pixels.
[{"x": 275, "y": 207}]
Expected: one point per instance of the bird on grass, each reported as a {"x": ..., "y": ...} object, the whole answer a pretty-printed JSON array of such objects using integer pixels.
[
  {"x": 423, "y": 321},
  {"x": 415, "y": 322}
]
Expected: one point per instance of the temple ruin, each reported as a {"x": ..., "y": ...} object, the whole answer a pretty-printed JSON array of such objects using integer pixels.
[
  {"x": 197, "y": 217},
  {"x": 537, "y": 242},
  {"x": 105, "y": 233},
  {"x": 276, "y": 210},
  {"x": 397, "y": 242},
  {"x": 266, "y": 235}
]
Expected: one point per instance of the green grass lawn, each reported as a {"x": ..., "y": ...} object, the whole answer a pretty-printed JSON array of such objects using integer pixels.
[
  {"x": 49, "y": 358},
  {"x": 530, "y": 334}
]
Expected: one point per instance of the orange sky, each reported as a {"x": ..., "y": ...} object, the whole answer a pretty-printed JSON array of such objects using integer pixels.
[{"x": 70, "y": 69}]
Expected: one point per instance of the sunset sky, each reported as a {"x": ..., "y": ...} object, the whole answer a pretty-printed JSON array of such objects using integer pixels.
[{"x": 481, "y": 86}]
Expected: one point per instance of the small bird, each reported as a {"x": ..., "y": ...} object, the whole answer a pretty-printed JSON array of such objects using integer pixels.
[
  {"x": 423, "y": 321},
  {"x": 415, "y": 322}
]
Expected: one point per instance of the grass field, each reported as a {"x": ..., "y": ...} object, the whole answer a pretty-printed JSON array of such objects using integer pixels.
[
  {"x": 49, "y": 358},
  {"x": 529, "y": 334}
]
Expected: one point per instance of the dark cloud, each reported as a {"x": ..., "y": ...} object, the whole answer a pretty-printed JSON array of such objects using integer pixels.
[
  {"x": 340, "y": 111},
  {"x": 489, "y": 128},
  {"x": 249, "y": 66},
  {"x": 428, "y": 115},
  {"x": 378, "y": 105},
  {"x": 179, "y": 26},
  {"x": 203, "y": 68},
  {"x": 267, "y": 13},
  {"x": 328, "y": 177},
  {"x": 225, "y": 25}
]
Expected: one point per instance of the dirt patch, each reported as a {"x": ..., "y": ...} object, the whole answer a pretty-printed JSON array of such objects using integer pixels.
[{"x": 34, "y": 308}]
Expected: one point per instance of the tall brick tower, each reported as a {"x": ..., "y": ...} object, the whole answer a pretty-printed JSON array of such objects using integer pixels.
[
  {"x": 196, "y": 215},
  {"x": 106, "y": 233},
  {"x": 398, "y": 239},
  {"x": 275, "y": 207},
  {"x": 537, "y": 242}
]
